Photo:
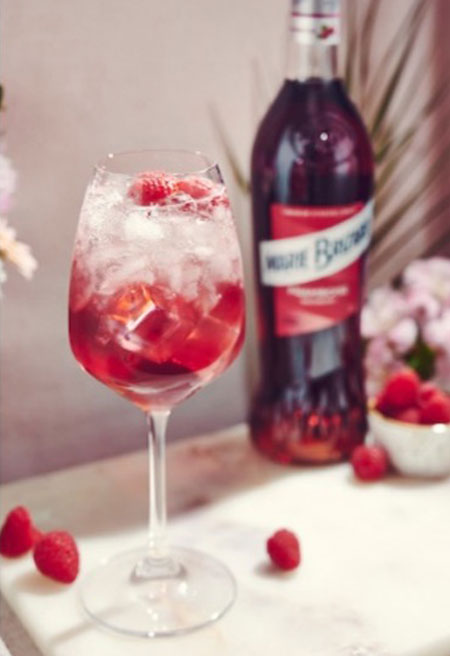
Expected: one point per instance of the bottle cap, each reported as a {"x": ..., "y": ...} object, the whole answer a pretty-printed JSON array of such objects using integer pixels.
[{"x": 317, "y": 8}]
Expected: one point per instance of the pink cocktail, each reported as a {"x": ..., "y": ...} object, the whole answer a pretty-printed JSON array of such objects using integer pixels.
[
  {"x": 156, "y": 311},
  {"x": 156, "y": 299}
]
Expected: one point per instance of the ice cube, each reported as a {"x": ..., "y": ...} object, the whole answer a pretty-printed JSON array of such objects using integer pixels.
[
  {"x": 138, "y": 225},
  {"x": 124, "y": 312},
  {"x": 208, "y": 343},
  {"x": 151, "y": 321}
]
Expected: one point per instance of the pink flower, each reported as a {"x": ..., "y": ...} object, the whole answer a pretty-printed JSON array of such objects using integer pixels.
[
  {"x": 423, "y": 305},
  {"x": 15, "y": 251},
  {"x": 436, "y": 333},
  {"x": 442, "y": 371},
  {"x": 384, "y": 308},
  {"x": 403, "y": 335},
  {"x": 7, "y": 183},
  {"x": 379, "y": 362},
  {"x": 431, "y": 276}
]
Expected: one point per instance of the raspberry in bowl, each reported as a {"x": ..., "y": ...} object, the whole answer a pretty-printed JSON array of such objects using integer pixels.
[{"x": 411, "y": 420}]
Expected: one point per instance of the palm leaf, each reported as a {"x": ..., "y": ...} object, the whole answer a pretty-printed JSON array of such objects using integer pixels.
[
  {"x": 384, "y": 91},
  {"x": 260, "y": 91},
  {"x": 350, "y": 60},
  {"x": 396, "y": 76},
  {"x": 431, "y": 107},
  {"x": 414, "y": 224},
  {"x": 231, "y": 156},
  {"x": 439, "y": 244},
  {"x": 367, "y": 32},
  {"x": 438, "y": 167},
  {"x": 391, "y": 51}
]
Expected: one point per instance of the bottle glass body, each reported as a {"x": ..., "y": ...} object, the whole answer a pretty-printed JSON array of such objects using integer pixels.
[{"x": 311, "y": 164}]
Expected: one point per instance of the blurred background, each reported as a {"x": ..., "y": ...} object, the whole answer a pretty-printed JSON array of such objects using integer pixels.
[{"x": 86, "y": 78}]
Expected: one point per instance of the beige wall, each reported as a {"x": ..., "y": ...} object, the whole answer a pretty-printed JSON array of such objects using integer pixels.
[{"x": 84, "y": 78}]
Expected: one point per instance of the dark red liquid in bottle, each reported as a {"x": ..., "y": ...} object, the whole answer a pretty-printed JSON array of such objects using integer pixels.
[{"x": 311, "y": 151}]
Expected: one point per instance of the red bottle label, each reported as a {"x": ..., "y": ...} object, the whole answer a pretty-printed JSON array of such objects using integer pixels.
[{"x": 314, "y": 262}]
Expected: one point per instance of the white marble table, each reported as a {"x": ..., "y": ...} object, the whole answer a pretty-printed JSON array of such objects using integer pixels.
[{"x": 375, "y": 577}]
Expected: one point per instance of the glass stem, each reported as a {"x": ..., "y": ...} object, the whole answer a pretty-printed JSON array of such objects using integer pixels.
[{"x": 157, "y": 422}]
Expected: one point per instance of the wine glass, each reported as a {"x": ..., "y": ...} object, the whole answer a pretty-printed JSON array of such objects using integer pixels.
[{"x": 156, "y": 311}]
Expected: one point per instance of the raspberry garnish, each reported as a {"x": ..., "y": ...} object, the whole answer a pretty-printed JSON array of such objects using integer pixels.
[
  {"x": 151, "y": 188},
  {"x": 195, "y": 186},
  {"x": 284, "y": 549},
  {"x": 402, "y": 389},
  {"x": 17, "y": 534},
  {"x": 370, "y": 463},
  {"x": 436, "y": 410},
  {"x": 56, "y": 556}
]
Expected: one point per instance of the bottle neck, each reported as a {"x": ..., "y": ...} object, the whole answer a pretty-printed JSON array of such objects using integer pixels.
[{"x": 314, "y": 35}]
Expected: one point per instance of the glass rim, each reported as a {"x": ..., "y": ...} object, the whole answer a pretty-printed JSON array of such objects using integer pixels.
[{"x": 102, "y": 165}]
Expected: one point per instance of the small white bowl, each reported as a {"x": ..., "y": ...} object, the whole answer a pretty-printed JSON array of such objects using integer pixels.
[{"x": 413, "y": 449}]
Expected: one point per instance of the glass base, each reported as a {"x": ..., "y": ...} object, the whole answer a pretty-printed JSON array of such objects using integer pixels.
[{"x": 138, "y": 596}]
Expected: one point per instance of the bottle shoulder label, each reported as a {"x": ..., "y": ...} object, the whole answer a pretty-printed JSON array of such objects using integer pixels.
[
  {"x": 314, "y": 262},
  {"x": 316, "y": 21}
]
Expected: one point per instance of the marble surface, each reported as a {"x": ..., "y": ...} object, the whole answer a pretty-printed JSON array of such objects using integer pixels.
[{"x": 375, "y": 576}]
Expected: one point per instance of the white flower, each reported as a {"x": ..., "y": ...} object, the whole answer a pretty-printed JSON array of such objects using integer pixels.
[
  {"x": 382, "y": 312},
  {"x": 403, "y": 335},
  {"x": 379, "y": 362},
  {"x": 437, "y": 333},
  {"x": 15, "y": 251},
  {"x": 431, "y": 276},
  {"x": 3, "y": 275},
  {"x": 423, "y": 305},
  {"x": 8, "y": 179},
  {"x": 442, "y": 371}
]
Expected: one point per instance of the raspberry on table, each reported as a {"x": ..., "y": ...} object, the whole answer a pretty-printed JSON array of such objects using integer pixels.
[
  {"x": 151, "y": 187},
  {"x": 402, "y": 389},
  {"x": 284, "y": 549},
  {"x": 370, "y": 463},
  {"x": 18, "y": 534},
  {"x": 56, "y": 556}
]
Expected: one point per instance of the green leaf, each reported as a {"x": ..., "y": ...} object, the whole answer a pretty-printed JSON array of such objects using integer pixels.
[{"x": 422, "y": 359}]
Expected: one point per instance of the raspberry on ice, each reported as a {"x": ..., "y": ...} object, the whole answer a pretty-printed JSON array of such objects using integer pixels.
[{"x": 151, "y": 187}]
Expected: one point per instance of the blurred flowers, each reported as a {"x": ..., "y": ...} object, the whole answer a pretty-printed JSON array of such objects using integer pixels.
[
  {"x": 11, "y": 250},
  {"x": 410, "y": 324},
  {"x": 14, "y": 251}
]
